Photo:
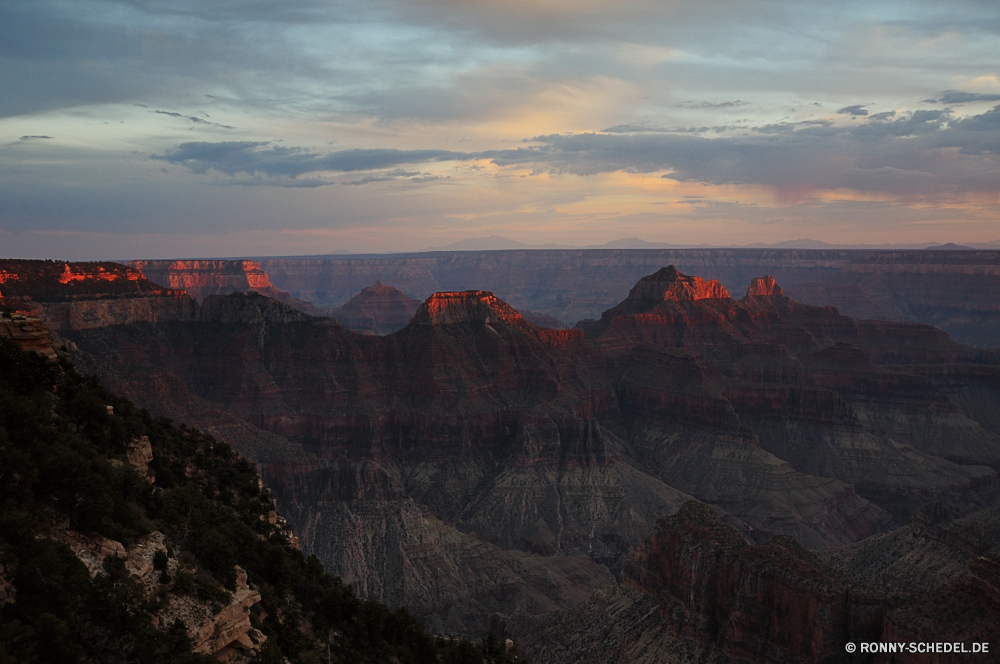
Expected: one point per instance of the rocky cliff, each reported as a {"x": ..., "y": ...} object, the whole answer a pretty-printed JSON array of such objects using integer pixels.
[
  {"x": 931, "y": 551},
  {"x": 78, "y": 296},
  {"x": 30, "y": 333},
  {"x": 669, "y": 284},
  {"x": 201, "y": 278}
]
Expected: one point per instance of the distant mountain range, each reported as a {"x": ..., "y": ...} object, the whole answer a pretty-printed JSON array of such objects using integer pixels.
[{"x": 498, "y": 242}]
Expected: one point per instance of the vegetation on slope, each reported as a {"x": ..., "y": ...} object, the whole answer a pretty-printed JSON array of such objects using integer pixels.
[{"x": 62, "y": 466}]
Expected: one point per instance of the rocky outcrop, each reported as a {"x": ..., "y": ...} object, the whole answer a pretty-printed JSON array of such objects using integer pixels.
[
  {"x": 223, "y": 630},
  {"x": 695, "y": 591},
  {"x": 29, "y": 332},
  {"x": 669, "y": 284},
  {"x": 377, "y": 309},
  {"x": 929, "y": 552},
  {"x": 97, "y": 312},
  {"x": 568, "y": 284},
  {"x": 53, "y": 281},
  {"x": 481, "y": 308},
  {"x": 400, "y": 552},
  {"x": 92, "y": 549},
  {"x": 466, "y": 307},
  {"x": 201, "y": 278},
  {"x": 468, "y": 360},
  {"x": 237, "y": 308},
  {"x": 764, "y": 287},
  {"x": 140, "y": 453},
  {"x": 954, "y": 290}
]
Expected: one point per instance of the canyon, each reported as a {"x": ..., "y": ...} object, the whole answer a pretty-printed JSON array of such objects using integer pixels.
[{"x": 487, "y": 472}]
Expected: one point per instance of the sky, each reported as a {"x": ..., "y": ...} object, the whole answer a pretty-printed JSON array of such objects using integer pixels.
[{"x": 185, "y": 128}]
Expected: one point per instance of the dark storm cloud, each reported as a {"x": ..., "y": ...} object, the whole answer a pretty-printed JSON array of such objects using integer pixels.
[
  {"x": 957, "y": 97},
  {"x": 857, "y": 109},
  {"x": 32, "y": 138},
  {"x": 900, "y": 155}
]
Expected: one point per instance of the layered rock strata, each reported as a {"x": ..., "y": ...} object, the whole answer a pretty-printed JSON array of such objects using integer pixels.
[
  {"x": 30, "y": 332},
  {"x": 79, "y": 296},
  {"x": 201, "y": 278}
]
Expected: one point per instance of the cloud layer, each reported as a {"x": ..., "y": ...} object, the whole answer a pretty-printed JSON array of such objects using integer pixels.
[{"x": 925, "y": 154}]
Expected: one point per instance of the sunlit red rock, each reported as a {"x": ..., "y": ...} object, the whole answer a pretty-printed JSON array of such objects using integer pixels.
[
  {"x": 204, "y": 277},
  {"x": 669, "y": 284},
  {"x": 74, "y": 296},
  {"x": 764, "y": 287}
]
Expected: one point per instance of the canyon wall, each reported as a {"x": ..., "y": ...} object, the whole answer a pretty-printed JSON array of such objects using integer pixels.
[
  {"x": 203, "y": 277},
  {"x": 79, "y": 296}
]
